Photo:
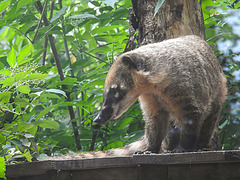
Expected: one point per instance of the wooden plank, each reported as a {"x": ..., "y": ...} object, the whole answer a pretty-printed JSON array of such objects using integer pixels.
[
  {"x": 144, "y": 164},
  {"x": 187, "y": 158},
  {"x": 221, "y": 171},
  {"x": 92, "y": 163},
  {"x": 29, "y": 168}
]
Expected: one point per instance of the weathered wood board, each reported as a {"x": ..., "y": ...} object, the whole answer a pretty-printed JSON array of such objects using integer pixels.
[{"x": 212, "y": 165}]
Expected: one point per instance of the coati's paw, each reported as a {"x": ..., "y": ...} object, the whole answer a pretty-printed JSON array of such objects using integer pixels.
[
  {"x": 203, "y": 149},
  {"x": 144, "y": 152},
  {"x": 179, "y": 149}
]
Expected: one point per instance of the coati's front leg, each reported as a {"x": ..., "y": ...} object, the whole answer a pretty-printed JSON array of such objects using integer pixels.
[{"x": 156, "y": 122}]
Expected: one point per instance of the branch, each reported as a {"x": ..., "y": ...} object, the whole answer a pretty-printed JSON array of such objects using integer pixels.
[
  {"x": 46, "y": 39},
  {"x": 39, "y": 22},
  {"x": 60, "y": 72}
]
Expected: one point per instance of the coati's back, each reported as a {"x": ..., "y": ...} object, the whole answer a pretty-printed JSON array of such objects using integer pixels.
[{"x": 186, "y": 67}]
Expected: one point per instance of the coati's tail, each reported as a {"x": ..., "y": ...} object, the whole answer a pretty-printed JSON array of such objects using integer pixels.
[
  {"x": 130, "y": 149},
  {"x": 127, "y": 150}
]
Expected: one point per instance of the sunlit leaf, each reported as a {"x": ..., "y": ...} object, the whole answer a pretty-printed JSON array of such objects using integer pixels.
[
  {"x": 8, "y": 82},
  {"x": 24, "y": 53},
  {"x": 24, "y": 89},
  {"x": 11, "y": 58},
  {"x": 82, "y": 16},
  {"x": 28, "y": 156},
  {"x": 3, "y": 5},
  {"x": 59, "y": 14},
  {"x": 23, "y": 126},
  {"x": 50, "y": 124},
  {"x": 2, "y": 168},
  {"x": 57, "y": 91},
  {"x": 5, "y": 72},
  {"x": 22, "y": 3},
  {"x": 20, "y": 75}
]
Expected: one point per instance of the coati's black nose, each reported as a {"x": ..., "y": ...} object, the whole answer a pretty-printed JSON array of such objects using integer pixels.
[{"x": 104, "y": 116}]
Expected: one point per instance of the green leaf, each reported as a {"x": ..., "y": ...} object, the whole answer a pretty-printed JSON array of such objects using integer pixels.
[
  {"x": 159, "y": 4},
  {"x": 50, "y": 95},
  {"x": 2, "y": 139},
  {"x": 50, "y": 124},
  {"x": 7, "y": 82},
  {"x": 57, "y": 91},
  {"x": 3, "y": 5},
  {"x": 37, "y": 76},
  {"x": 1, "y": 65},
  {"x": 20, "y": 75},
  {"x": 21, "y": 102},
  {"x": 5, "y": 72},
  {"x": 18, "y": 143},
  {"x": 45, "y": 111},
  {"x": 25, "y": 89},
  {"x": 28, "y": 156},
  {"x": 2, "y": 168},
  {"x": 22, "y": 3},
  {"x": 24, "y": 53},
  {"x": 23, "y": 126},
  {"x": 5, "y": 97},
  {"x": 11, "y": 58},
  {"x": 59, "y": 14},
  {"x": 68, "y": 81},
  {"x": 82, "y": 16}
]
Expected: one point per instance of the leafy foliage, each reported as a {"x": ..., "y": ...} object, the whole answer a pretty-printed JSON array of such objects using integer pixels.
[
  {"x": 222, "y": 31},
  {"x": 34, "y": 117}
]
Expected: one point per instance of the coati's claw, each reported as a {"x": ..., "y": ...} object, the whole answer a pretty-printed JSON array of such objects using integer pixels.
[
  {"x": 179, "y": 150},
  {"x": 144, "y": 152}
]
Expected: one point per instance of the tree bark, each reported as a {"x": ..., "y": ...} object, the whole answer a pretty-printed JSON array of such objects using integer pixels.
[{"x": 174, "y": 18}]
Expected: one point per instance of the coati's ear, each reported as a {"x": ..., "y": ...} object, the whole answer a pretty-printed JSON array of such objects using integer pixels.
[{"x": 128, "y": 61}]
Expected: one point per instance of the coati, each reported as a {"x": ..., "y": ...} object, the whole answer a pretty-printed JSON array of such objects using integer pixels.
[{"x": 178, "y": 79}]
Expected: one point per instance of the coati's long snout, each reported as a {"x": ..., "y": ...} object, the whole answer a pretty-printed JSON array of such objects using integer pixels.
[{"x": 119, "y": 91}]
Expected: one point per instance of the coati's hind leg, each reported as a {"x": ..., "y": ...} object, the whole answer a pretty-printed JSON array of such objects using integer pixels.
[
  {"x": 172, "y": 139},
  {"x": 156, "y": 122},
  {"x": 209, "y": 124},
  {"x": 190, "y": 130}
]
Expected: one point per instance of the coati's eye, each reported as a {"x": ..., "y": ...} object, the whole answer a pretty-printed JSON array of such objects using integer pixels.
[{"x": 115, "y": 93}]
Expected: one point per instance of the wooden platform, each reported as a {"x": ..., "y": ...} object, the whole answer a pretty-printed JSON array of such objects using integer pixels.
[{"x": 217, "y": 165}]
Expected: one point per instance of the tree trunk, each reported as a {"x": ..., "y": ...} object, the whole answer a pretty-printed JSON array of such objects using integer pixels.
[{"x": 174, "y": 18}]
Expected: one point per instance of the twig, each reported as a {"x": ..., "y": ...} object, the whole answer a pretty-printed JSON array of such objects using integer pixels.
[
  {"x": 94, "y": 136},
  {"x": 81, "y": 50}
]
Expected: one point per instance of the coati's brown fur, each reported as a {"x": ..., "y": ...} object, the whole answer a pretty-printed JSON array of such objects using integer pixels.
[{"x": 178, "y": 79}]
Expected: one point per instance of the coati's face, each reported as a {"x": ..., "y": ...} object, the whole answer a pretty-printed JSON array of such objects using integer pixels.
[{"x": 119, "y": 91}]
